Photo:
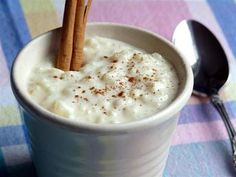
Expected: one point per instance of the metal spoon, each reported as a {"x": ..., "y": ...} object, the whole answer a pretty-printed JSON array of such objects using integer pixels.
[{"x": 210, "y": 66}]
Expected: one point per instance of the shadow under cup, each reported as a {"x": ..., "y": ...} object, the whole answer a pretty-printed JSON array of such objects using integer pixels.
[{"x": 62, "y": 148}]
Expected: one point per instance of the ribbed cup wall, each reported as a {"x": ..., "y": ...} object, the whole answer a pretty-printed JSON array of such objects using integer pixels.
[{"x": 59, "y": 152}]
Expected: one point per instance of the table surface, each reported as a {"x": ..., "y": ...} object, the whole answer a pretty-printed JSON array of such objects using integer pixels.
[{"x": 200, "y": 145}]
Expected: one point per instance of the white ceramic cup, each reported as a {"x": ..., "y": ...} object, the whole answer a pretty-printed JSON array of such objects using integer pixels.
[{"x": 63, "y": 148}]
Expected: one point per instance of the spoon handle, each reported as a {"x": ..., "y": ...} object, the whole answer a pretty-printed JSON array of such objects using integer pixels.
[{"x": 219, "y": 105}]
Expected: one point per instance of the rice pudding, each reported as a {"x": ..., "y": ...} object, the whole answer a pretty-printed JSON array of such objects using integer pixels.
[{"x": 118, "y": 83}]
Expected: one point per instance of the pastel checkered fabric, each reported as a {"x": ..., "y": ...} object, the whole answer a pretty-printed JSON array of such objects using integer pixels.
[{"x": 200, "y": 146}]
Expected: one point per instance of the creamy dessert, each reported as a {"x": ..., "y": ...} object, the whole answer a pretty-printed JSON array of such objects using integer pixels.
[{"x": 118, "y": 83}]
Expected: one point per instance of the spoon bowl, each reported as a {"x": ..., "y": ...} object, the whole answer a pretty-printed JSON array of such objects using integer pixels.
[{"x": 205, "y": 54}]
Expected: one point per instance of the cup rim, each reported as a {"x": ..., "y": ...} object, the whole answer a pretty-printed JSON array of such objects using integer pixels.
[{"x": 41, "y": 113}]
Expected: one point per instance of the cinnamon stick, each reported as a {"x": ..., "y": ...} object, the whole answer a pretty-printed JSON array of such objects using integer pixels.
[
  {"x": 70, "y": 55},
  {"x": 87, "y": 8},
  {"x": 66, "y": 45},
  {"x": 79, "y": 33}
]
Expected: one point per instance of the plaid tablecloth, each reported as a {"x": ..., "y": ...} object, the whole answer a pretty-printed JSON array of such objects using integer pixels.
[{"x": 200, "y": 146}]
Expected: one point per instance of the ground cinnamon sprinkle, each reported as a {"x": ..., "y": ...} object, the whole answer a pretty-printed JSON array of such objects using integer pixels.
[
  {"x": 145, "y": 78},
  {"x": 132, "y": 79},
  {"x": 98, "y": 91},
  {"x": 121, "y": 94}
]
